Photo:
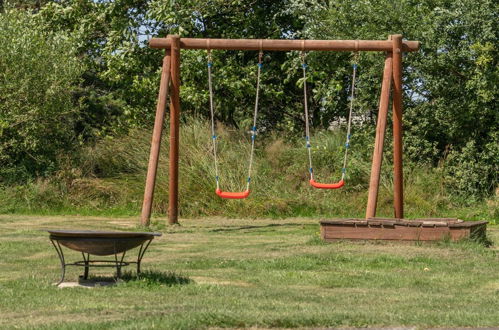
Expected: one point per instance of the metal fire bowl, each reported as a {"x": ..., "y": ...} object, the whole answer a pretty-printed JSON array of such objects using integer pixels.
[{"x": 100, "y": 243}]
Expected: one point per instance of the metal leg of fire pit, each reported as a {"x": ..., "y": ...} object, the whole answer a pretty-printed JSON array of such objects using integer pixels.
[
  {"x": 142, "y": 251},
  {"x": 118, "y": 263},
  {"x": 87, "y": 265},
  {"x": 61, "y": 258}
]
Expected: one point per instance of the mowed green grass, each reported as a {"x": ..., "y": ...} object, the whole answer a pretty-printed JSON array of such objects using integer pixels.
[{"x": 249, "y": 273}]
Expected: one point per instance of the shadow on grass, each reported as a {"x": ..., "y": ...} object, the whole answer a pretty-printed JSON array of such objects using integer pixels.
[
  {"x": 156, "y": 277},
  {"x": 481, "y": 239},
  {"x": 316, "y": 240},
  {"x": 258, "y": 227},
  {"x": 475, "y": 241}
]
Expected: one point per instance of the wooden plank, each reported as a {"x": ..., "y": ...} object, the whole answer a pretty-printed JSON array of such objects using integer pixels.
[
  {"x": 400, "y": 229},
  {"x": 284, "y": 45},
  {"x": 466, "y": 224},
  {"x": 371, "y": 233},
  {"x": 394, "y": 233},
  {"x": 434, "y": 224}
]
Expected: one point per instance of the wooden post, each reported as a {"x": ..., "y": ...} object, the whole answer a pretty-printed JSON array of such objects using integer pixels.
[
  {"x": 156, "y": 140},
  {"x": 380, "y": 138},
  {"x": 174, "y": 129},
  {"x": 398, "y": 178}
]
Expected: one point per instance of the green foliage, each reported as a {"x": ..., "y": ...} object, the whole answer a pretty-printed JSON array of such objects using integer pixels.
[
  {"x": 109, "y": 180},
  {"x": 450, "y": 84},
  {"x": 234, "y": 72},
  {"x": 457, "y": 114},
  {"x": 457, "y": 82},
  {"x": 120, "y": 84},
  {"x": 39, "y": 73},
  {"x": 472, "y": 171}
]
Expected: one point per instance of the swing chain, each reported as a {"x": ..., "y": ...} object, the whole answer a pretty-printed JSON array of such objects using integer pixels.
[
  {"x": 350, "y": 113},
  {"x": 212, "y": 113},
  {"x": 307, "y": 125},
  {"x": 302, "y": 56},
  {"x": 255, "y": 115}
]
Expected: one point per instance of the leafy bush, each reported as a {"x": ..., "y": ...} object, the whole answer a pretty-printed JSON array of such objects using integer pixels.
[
  {"x": 473, "y": 172},
  {"x": 451, "y": 83},
  {"x": 110, "y": 179},
  {"x": 38, "y": 75}
]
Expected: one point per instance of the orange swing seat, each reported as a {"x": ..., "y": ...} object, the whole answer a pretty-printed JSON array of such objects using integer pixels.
[
  {"x": 336, "y": 185},
  {"x": 233, "y": 195}
]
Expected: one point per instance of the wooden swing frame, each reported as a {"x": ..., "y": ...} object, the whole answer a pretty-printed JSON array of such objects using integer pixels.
[{"x": 394, "y": 47}]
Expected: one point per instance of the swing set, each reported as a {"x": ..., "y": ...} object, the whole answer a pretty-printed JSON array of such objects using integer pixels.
[
  {"x": 170, "y": 86},
  {"x": 313, "y": 183}
]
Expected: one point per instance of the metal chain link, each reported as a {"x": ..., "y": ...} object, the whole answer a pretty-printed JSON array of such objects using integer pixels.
[
  {"x": 349, "y": 125},
  {"x": 255, "y": 115}
]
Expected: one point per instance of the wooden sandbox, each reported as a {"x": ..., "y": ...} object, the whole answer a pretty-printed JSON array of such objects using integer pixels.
[{"x": 432, "y": 229}]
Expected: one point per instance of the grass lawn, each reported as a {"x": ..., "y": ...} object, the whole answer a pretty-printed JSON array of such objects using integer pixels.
[{"x": 249, "y": 273}]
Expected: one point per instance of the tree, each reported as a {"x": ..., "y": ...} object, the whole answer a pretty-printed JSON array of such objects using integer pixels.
[
  {"x": 38, "y": 76},
  {"x": 123, "y": 72},
  {"x": 450, "y": 85}
]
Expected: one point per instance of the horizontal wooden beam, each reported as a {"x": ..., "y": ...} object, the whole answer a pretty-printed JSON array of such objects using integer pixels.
[{"x": 285, "y": 45}]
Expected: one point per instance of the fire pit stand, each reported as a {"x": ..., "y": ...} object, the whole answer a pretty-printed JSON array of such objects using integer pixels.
[{"x": 100, "y": 243}]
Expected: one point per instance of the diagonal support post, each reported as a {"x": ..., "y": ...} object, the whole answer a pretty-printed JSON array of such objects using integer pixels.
[
  {"x": 156, "y": 139},
  {"x": 384, "y": 102}
]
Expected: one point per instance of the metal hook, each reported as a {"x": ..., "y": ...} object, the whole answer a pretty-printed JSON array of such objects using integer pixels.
[
  {"x": 356, "y": 56},
  {"x": 260, "y": 53},
  {"x": 302, "y": 55}
]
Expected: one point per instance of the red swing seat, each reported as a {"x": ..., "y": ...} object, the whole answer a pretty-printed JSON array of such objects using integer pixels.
[
  {"x": 233, "y": 195},
  {"x": 336, "y": 185}
]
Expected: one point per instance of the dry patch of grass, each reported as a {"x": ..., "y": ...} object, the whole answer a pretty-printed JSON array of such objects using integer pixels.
[{"x": 217, "y": 281}]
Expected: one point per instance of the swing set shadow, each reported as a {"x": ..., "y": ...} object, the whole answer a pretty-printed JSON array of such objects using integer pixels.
[{"x": 250, "y": 227}]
